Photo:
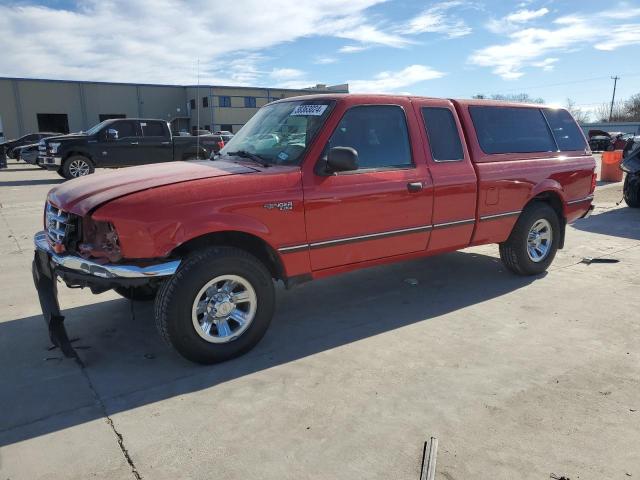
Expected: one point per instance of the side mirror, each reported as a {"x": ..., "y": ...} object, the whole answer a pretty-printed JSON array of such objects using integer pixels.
[
  {"x": 342, "y": 159},
  {"x": 112, "y": 134}
]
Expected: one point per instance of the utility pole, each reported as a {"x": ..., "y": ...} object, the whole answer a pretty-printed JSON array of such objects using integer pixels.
[{"x": 613, "y": 97}]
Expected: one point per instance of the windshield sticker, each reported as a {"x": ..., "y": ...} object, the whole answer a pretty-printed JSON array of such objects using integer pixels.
[
  {"x": 315, "y": 110},
  {"x": 283, "y": 156}
]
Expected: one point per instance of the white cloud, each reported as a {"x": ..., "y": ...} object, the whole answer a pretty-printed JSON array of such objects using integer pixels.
[
  {"x": 437, "y": 19},
  {"x": 531, "y": 47},
  {"x": 522, "y": 16},
  {"x": 325, "y": 60},
  {"x": 514, "y": 20},
  {"x": 160, "y": 40},
  {"x": 385, "y": 82},
  {"x": 286, "y": 73},
  {"x": 353, "y": 48}
]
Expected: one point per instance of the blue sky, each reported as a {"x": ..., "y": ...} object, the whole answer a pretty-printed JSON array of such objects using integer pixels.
[{"x": 552, "y": 49}]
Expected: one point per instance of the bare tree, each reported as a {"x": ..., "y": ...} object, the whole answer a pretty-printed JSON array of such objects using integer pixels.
[
  {"x": 512, "y": 97},
  {"x": 618, "y": 113},
  {"x": 580, "y": 115},
  {"x": 632, "y": 108}
]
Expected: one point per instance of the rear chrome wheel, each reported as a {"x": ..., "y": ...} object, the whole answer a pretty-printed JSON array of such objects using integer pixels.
[
  {"x": 539, "y": 240},
  {"x": 534, "y": 240},
  {"x": 77, "y": 166},
  {"x": 224, "y": 308}
]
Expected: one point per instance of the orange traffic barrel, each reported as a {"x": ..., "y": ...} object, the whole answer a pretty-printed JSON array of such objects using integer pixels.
[{"x": 610, "y": 168}]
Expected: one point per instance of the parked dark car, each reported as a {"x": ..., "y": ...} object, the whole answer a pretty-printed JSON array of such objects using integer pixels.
[
  {"x": 8, "y": 147},
  {"x": 600, "y": 141},
  {"x": 120, "y": 143},
  {"x": 27, "y": 153}
]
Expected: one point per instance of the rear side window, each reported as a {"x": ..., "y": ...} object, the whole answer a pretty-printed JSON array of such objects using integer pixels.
[
  {"x": 152, "y": 129},
  {"x": 378, "y": 133},
  {"x": 511, "y": 130},
  {"x": 442, "y": 131},
  {"x": 564, "y": 128}
]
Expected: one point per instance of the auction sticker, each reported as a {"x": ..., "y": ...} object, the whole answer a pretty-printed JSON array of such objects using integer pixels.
[{"x": 315, "y": 110}]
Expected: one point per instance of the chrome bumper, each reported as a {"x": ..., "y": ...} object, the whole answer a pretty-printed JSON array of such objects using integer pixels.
[
  {"x": 82, "y": 265},
  {"x": 49, "y": 161}
]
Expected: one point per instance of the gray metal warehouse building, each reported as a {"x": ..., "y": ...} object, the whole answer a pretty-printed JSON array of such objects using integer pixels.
[{"x": 32, "y": 105}]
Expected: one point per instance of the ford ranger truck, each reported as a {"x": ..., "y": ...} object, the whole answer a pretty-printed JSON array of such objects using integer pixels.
[
  {"x": 120, "y": 143},
  {"x": 310, "y": 187}
]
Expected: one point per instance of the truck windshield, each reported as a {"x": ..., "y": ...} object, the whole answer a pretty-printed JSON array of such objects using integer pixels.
[
  {"x": 281, "y": 132},
  {"x": 96, "y": 128}
]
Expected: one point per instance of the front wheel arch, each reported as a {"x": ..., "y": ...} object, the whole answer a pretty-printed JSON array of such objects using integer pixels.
[{"x": 251, "y": 244}]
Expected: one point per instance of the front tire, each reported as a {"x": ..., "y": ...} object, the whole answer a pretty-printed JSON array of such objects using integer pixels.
[
  {"x": 77, "y": 166},
  {"x": 217, "y": 306},
  {"x": 631, "y": 191},
  {"x": 533, "y": 242}
]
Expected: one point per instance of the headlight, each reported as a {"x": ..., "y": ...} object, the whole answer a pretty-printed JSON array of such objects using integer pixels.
[
  {"x": 99, "y": 240},
  {"x": 53, "y": 147}
]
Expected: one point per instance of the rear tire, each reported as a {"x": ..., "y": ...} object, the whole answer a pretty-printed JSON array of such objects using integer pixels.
[
  {"x": 77, "y": 166},
  {"x": 526, "y": 252},
  {"x": 143, "y": 293},
  {"x": 195, "y": 309},
  {"x": 631, "y": 191}
]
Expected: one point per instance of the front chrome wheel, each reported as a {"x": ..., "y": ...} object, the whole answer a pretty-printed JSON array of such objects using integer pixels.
[
  {"x": 79, "y": 168},
  {"x": 224, "y": 308},
  {"x": 539, "y": 240}
]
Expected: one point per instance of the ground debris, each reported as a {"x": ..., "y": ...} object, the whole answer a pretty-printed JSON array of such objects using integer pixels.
[
  {"x": 590, "y": 260},
  {"x": 556, "y": 477}
]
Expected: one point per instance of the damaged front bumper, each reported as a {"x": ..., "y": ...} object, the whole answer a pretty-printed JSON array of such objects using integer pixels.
[{"x": 76, "y": 271}]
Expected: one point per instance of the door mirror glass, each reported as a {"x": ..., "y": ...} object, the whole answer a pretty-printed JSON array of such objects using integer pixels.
[
  {"x": 112, "y": 134},
  {"x": 342, "y": 159}
]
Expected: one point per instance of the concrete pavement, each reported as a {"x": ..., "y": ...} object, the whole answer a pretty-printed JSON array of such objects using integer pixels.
[{"x": 517, "y": 377}]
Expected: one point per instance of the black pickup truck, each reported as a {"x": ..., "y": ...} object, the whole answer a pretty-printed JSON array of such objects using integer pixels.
[{"x": 119, "y": 143}]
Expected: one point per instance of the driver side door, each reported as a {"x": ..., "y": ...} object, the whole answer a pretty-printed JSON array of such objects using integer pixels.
[
  {"x": 381, "y": 209},
  {"x": 123, "y": 150}
]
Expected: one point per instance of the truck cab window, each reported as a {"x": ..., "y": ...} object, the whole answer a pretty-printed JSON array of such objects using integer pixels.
[
  {"x": 442, "y": 132},
  {"x": 152, "y": 129},
  {"x": 378, "y": 133},
  {"x": 124, "y": 129}
]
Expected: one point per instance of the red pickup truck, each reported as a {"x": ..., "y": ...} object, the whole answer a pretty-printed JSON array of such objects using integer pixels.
[{"x": 310, "y": 187}]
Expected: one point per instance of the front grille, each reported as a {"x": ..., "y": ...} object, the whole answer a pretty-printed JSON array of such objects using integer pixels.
[{"x": 59, "y": 224}]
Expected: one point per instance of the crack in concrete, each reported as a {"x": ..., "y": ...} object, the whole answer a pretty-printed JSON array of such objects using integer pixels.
[
  {"x": 109, "y": 421},
  {"x": 11, "y": 233}
]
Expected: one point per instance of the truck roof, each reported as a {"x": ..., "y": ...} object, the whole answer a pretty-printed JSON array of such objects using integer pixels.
[{"x": 364, "y": 97}]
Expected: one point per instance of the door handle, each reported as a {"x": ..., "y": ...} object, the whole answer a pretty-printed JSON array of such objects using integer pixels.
[{"x": 414, "y": 186}]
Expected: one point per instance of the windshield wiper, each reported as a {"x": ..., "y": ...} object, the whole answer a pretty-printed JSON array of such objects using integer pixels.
[{"x": 251, "y": 156}]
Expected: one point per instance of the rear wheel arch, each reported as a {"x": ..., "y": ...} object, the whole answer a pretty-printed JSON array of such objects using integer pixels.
[
  {"x": 250, "y": 243},
  {"x": 555, "y": 201}
]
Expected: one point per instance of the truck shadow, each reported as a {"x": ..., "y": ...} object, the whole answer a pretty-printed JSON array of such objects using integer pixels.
[
  {"x": 129, "y": 366},
  {"x": 618, "y": 222},
  {"x": 27, "y": 183}
]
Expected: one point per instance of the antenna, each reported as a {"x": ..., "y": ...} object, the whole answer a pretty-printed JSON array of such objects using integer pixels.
[{"x": 198, "y": 113}]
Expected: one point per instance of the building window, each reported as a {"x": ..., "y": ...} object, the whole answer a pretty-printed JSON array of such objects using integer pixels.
[
  {"x": 224, "y": 101},
  {"x": 192, "y": 103},
  {"x": 205, "y": 102},
  {"x": 249, "y": 102},
  {"x": 226, "y": 128},
  {"x": 53, "y": 122}
]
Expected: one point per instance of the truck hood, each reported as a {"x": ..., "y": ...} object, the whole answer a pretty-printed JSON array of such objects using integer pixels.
[
  {"x": 67, "y": 136},
  {"x": 81, "y": 195}
]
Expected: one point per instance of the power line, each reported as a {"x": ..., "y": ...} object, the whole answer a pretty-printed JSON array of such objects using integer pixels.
[{"x": 571, "y": 82}]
